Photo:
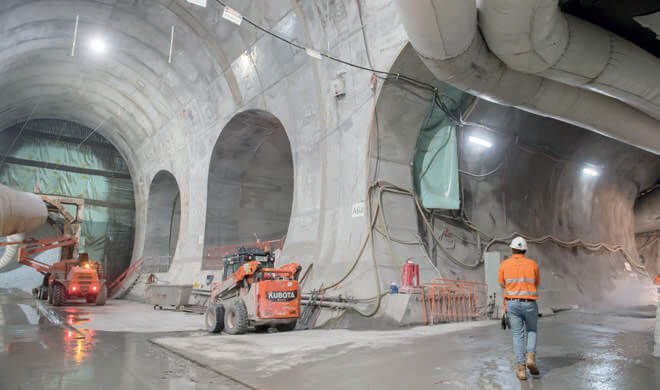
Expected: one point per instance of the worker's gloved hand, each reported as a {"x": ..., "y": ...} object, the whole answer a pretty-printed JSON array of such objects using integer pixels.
[{"x": 505, "y": 321}]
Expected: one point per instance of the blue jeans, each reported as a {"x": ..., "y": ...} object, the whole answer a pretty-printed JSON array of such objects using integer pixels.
[{"x": 523, "y": 315}]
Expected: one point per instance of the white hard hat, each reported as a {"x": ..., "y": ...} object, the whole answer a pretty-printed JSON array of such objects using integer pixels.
[{"x": 519, "y": 243}]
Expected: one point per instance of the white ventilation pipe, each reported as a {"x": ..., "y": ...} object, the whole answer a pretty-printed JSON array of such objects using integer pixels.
[
  {"x": 20, "y": 212},
  {"x": 445, "y": 35},
  {"x": 536, "y": 37},
  {"x": 10, "y": 255}
]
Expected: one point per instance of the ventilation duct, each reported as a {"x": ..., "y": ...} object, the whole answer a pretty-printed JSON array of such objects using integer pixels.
[
  {"x": 536, "y": 37},
  {"x": 445, "y": 35},
  {"x": 20, "y": 212}
]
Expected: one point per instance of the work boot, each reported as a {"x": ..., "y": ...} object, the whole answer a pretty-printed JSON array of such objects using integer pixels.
[
  {"x": 531, "y": 363},
  {"x": 521, "y": 372}
]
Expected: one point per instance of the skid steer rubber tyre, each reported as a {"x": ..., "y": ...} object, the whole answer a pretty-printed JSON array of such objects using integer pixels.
[
  {"x": 102, "y": 296},
  {"x": 59, "y": 295},
  {"x": 50, "y": 294},
  {"x": 215, "y": 318},
  {"x": 236, "y": 318},
  {"x": 287, "y": 327}
]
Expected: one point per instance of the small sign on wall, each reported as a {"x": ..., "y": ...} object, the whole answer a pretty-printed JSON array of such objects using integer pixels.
[{"x": 358, "y": 210}]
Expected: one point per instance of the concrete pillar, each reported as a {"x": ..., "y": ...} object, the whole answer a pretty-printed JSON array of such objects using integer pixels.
[{"x": 492, "y": 262}]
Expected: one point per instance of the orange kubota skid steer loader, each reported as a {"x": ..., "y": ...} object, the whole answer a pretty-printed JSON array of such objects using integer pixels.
[{"x": 254, "y": 294}]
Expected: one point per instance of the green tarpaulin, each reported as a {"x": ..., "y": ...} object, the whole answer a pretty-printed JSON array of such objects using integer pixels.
[
  {"x": 47, "y": 155},
  {"x": 435, "y": 165}
]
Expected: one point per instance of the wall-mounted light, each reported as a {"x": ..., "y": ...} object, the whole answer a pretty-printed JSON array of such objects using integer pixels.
[
  {"x": 201, "y": 3},
  {"x": 232, "y": 15},
  {"x": 589, "y": 171},
  {"x": 480, "y": 141},
  {"x": 98, "y": 45}
]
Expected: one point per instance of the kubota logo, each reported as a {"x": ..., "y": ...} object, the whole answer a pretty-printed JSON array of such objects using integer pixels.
[{"x": 281, "y": 296}]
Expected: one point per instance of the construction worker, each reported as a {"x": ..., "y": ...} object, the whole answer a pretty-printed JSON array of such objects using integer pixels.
[{"x": 519, "y": 277}]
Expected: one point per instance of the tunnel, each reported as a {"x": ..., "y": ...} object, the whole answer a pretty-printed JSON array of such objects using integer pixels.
[
  {"x": 250, "y": 185},
  {"x": 387, "y": 151}
]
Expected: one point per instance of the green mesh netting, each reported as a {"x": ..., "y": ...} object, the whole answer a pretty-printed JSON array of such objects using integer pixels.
[{"x": 48, "y": 156}]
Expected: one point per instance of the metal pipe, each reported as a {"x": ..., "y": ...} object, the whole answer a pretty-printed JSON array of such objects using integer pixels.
[
  {"x": 312, "y": 297},
  {"x": 334, "y": 305},
  {"x": 20, "y": 212}
]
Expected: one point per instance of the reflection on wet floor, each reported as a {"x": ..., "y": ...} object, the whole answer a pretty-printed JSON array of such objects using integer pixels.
[{"x": 36, "y": 354}]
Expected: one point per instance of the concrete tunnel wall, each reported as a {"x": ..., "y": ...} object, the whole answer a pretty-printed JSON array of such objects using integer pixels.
[{"x": 171, "y": 116}]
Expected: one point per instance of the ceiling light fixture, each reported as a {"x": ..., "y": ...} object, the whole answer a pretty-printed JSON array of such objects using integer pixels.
[
  {"x": 232, "y": 15},
  {"x": 589, "y": 171},
  {"x": 480, "y": 141},
  {"x": 201, "y": 3},
  {"x": 98, "y": 45}
]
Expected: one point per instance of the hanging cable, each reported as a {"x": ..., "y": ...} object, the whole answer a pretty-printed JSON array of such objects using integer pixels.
[
  {"x": 594, "y": 247},
  {"x": 381, "y": 74}
]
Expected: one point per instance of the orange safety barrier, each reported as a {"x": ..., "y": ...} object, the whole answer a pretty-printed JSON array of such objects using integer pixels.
[
  {"x": 454, "y": 300},
  {"x": 119, "y": 282}
]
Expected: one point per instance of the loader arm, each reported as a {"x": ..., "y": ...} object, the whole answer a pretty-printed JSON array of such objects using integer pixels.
[{"x": 37, "y": 246}]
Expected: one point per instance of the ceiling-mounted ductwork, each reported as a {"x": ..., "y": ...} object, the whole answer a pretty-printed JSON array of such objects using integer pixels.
[
  {"x": 536, "y": 37},
  {"x": 445, "y": 35}
]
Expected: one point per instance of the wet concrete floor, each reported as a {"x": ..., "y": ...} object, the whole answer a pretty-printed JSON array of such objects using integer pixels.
[
  {"x": 577, "y": 350},
  {"x": 36, "y": 353}
]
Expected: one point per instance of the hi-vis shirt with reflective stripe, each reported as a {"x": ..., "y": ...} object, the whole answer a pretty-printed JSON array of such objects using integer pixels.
[{"x": 520, "y": 278}]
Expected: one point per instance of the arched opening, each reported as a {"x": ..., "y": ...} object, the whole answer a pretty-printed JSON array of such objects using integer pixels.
[
  {"x": 523, "y": 173},
  {"x": 250, "y": 186},
  {"x": 163, "y": 221},
  {"x": 62, "y": 158}
]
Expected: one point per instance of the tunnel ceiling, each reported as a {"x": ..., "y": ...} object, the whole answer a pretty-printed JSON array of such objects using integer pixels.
[{"x": 129, "y": 92}]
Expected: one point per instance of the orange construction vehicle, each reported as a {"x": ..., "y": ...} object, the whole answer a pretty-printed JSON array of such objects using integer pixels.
[
  {"x": 254, "y": 295},
  {"x": 75, "y": 277},
  {"x": 67, "y": 279}
]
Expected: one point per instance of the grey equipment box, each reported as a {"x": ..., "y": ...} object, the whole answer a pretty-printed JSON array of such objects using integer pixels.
[{"x": 168, "y": 296}]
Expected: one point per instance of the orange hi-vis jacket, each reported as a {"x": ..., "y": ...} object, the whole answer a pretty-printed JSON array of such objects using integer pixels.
[{"x": 520, "y": 278}]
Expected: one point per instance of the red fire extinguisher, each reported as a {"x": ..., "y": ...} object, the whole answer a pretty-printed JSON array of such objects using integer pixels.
[{"x": 410, "y": 275}]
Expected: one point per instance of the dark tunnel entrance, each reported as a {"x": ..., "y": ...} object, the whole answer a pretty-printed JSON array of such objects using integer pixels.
[
  {"x": 163, "y": 221},
  {"x": 250, "y": 186}
]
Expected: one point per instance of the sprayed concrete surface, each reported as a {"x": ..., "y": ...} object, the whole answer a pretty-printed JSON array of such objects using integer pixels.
[
  {"x": 577, "y": 350},
  {"x": 36, "y": 353}
]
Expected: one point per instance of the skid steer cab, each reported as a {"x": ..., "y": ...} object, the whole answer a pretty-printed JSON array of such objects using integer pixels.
[{"x": 254, "y": 295}]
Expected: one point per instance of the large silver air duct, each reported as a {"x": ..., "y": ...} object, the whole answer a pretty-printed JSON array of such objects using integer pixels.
[
  {"x": 444, "y": 33},
  {"x": 20, "y": 212},
  {"x": 536, "y": 37}
]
